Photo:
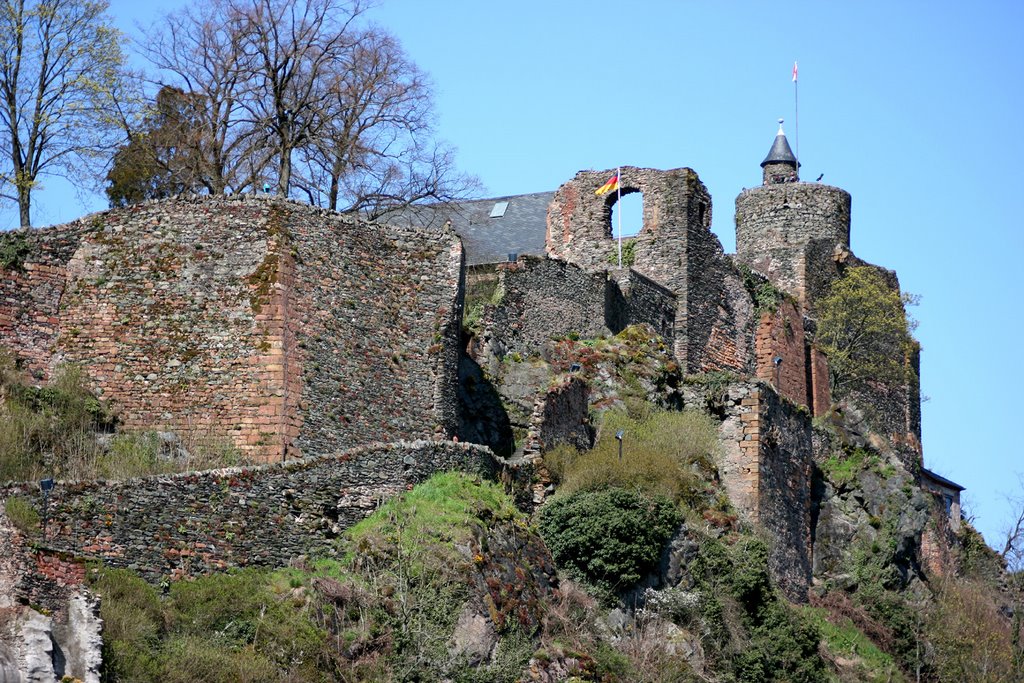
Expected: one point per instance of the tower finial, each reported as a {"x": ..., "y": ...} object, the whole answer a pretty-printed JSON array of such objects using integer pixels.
[{"x": 780, "y": 128}]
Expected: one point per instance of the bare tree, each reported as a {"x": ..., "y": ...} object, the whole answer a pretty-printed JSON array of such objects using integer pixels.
[
  {"x": 292, "y": 46},
  {"x": 198, "y": 50},
  {"x": 1013, "y": 555},
  {"x": 298, "y": 95},
  {"x": 60, "y": 66},
  {"x": 376, "y": 148}
]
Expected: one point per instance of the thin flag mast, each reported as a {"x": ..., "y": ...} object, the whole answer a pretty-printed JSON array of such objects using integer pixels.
[
  {"x": 618, "y": 202},
  {"x": 614, "y": 184},
  {"x": 796, "y": 119}
]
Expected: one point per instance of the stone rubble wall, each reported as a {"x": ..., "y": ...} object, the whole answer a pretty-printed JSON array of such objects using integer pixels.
[
  {"x": 776, "y": 223},
  {"x": 274, "y": 324},
  {"x": 645, "y": 302},
  {"x": 376, "y": 313},
  {"x": 675, "y": 248},
  {"x": 541, "y": 299},
  {"x": 715, "y": 321},
  {"x": 31, "y": 290},
  {"x": 580, "y": 230},
  {"x": 194, "y": 523},
  {"x": 766, "y": 465},
  {"x": 544, "y": 299},
  {"x": 802, "y": 376}
]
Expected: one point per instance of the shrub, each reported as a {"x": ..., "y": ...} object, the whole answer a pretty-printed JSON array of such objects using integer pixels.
[
  {"x": 865, "y": 331},
  {"x": 666, "y": 453},
  {"x": 972, "y": 640},
  {"x": 609, "y": 539},
  {"x": 14, "y": 250},
  {"x": 764, "y": 639},
  {"x": 766, "y": 296}
]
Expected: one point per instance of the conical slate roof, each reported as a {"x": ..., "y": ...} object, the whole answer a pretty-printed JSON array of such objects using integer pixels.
[{"x": 780, "y": 151}]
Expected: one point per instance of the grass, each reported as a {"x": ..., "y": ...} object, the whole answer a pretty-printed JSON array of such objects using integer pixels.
[
  {"x": 445, "y": 510},
  {"x": 864, "y": 661},
  {"x": 668, "y": 453},
  {"x": 22, "y": 515},
  {"x": 842, "y": 468}
]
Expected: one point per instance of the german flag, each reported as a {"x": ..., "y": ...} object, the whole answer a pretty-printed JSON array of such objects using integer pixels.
[{"x": 610, "y": 186}]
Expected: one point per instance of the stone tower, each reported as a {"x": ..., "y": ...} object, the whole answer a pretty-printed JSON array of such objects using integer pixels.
[{"x": 790, "y": 231}]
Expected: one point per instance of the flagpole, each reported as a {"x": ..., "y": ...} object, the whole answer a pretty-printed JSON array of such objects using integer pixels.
[
  {"x": 618, "y": 203},
  {"x": 796, "y": 118}
]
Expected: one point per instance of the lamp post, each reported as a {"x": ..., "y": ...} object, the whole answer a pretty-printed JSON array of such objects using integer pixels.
[{"x": 618, "y": 437}]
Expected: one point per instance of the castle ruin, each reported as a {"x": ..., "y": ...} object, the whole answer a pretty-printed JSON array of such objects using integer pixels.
[{"x": 300, "y": 333}]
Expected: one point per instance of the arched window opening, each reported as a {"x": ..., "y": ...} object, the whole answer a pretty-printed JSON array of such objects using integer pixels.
[{"x": 631, "y": 208}]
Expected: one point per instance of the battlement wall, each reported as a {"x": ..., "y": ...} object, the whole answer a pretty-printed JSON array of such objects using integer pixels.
[{"x": 277, "y": 325}]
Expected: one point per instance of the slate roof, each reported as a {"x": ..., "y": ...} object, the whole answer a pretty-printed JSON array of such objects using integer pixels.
[
  {"x": 780, "y": 152},
  {"x": 520, "y": 230},
  {"x": 928, "y": 474}
]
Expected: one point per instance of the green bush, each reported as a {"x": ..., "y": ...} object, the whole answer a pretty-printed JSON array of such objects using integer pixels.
[
  {"x": 864, "y": 329},
  {"x": 755, "y": 631},
  {"x": 227, "y": 627},
  {"x": 14, "y": 249},
  {"x": 666, "y": 453},
  {"x": 609, "y": 539}
]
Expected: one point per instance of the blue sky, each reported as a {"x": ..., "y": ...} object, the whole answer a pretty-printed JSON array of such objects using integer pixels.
[{"x": 915, "y": 108}]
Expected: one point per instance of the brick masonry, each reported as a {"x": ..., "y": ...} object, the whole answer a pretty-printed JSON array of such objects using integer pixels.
[{"x": 277, "y": 325}]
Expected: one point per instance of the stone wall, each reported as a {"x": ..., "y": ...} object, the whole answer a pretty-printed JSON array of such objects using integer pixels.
[
  {"x": 541, "y": 299},
  {"x": 642, "y": 301},
  {"x": 765, "y": 465},
  {"x": 781, "y": 358},
  {"x": 716, "y": 311},
  {"x": 194, "y": 523},
  {"x": 580, "y": 230},
  {"x": 275, "y": 324},
  {"x": 802, "y": 374},
  {"x": 31, "y": 286},
  {"x": 776, "y": 223},
  {"x": 675, "y": 248}
]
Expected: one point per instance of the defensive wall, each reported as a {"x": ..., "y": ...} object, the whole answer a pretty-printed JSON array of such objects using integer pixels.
[
  {"x": 193, "y": 523},
  {"x": 539, "y": 299},
  {"x": 291, "y": 330},
  {"x": 765, "y": 465}
]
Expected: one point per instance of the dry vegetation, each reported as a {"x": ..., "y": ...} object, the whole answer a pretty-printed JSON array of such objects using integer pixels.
[{"x": 62, "y": 430}]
